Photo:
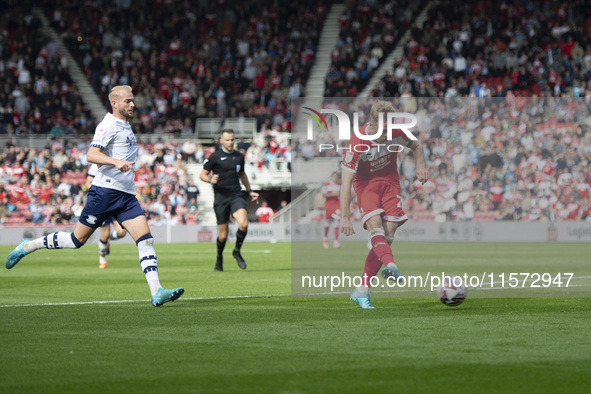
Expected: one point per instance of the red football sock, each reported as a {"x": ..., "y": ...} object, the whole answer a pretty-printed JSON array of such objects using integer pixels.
[
  {"x": 326, "y": 231},
  {"x": 382, "y": 249},
  {"x": 336, "y": 233},
  {"x": 372, "y": 266}
]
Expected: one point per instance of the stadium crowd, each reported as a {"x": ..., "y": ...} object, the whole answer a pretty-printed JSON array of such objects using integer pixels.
[
  {"x": 504, "y": 159},
  {"x": 503, "y": 156},
  {"x": 47, "y": 186},
  {"x": 482, "y": 47},
  {"x": 185, "y": 61},
  {"x": 534, "y": 47},
  {"x": 196, "y": 59},
  {"x": 538, "y": 165},
  {"x": 250, "y": 59},
  {"x": 37, "y": 94},
  {"x": 511, "y": 158},
  {"x": 368, "y": 32}
]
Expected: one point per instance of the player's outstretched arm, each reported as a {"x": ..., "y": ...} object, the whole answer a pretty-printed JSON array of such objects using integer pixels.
[
  {"x": 422, "y": 171},
  {"x": 345, "y": 198}
]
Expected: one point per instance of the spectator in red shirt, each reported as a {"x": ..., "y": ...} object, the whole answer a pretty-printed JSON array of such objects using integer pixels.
[
  {"x": 264, "y": 212},
  {"x": 497, "y": 194}
]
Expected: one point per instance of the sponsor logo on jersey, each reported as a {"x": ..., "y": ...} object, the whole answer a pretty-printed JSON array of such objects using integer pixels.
[
  {"x": 130, "y": 141},
  {"x": 348, "y": 156}
]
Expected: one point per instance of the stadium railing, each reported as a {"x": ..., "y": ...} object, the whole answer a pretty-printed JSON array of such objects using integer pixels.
[
  {"x": 298, "y": 208},
  {"x": 209, "y": 128}
]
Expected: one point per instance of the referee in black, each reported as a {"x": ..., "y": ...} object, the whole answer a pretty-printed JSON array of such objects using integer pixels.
[{"x": 224, "y": 169}]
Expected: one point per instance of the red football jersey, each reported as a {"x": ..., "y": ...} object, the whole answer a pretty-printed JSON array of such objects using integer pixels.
[
  {"x": 332, "y": 204},
  {"x": 372, "y": 161},
  {"x": 331, "y": 187}
]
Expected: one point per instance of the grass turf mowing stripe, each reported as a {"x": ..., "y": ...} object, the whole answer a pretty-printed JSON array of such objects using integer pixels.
[
  {"x": 279, "y": 344},
  {"x": 221, "y": 298}
]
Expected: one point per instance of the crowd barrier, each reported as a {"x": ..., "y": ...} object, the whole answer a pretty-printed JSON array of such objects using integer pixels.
[{"x": 287, "y": 232}]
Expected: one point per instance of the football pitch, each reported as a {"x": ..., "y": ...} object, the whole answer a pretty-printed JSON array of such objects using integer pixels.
[{"x": 68, "y": 327}]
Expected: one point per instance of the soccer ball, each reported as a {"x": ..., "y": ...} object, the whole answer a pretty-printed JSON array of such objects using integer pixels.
[{"x": 452, "y": 291}]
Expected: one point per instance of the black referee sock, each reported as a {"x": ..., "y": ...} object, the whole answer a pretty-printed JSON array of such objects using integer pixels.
[
  {"x": 221, "y": 245},
  {"x": 240, "y": 235}
]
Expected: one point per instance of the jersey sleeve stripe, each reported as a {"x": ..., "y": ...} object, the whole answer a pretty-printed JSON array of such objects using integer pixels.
[
  {"x": 97, "y": 146},
  {"x": 348, "y": 169}
]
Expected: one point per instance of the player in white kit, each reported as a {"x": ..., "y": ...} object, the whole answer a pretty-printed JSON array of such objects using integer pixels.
[{"x": 114, "y": 150}]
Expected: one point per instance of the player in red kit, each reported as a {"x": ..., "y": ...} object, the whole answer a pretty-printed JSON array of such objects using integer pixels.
[
  {"x": 332, "y": 208},
  {"x": 371, "y": 168}
]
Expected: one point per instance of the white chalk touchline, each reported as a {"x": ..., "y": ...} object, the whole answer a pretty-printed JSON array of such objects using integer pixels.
[
  {"x": 288, "y": 295},
  {"x": 132, "y": 301},
  {"x": 247, "y": 296}
]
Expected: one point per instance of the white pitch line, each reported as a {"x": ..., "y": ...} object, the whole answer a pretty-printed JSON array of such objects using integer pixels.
[
  {"x": 269, "y": 296},
  {"x": 288, "y": 295},
  {"x": 132, "y": 301}
]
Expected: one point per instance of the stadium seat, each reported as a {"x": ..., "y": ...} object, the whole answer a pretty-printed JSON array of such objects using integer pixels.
[{"x": 484, "y": 216}]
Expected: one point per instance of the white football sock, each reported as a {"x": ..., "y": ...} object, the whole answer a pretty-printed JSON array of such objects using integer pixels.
[
  {"x": 57, "y": 240},
  {"x": 102, "y": 248},
  {"x": 148, "y": 263}
]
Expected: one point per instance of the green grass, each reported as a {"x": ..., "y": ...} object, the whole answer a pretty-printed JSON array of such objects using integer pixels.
[
  {"x": 269, "y": 342},
  {"x": 537, "y": 268}
]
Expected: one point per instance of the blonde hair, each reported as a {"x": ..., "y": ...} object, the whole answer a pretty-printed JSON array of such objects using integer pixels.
[
  {"x": 379, "y": 106},
  {"x": 116, "y": 89}
]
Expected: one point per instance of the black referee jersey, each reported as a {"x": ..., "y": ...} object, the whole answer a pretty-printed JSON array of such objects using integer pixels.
[{"x": 228, "y": 166}]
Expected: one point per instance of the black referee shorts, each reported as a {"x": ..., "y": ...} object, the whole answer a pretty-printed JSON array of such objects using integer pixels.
[{"x": 224, "y": 205}]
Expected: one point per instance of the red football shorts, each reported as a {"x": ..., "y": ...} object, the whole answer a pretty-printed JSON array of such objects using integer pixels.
[
  {"x": 380, "y": 197},
  {"x": 332, "y": 210}
]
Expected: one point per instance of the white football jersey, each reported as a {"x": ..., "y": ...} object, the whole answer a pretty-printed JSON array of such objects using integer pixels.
[
  {"x": 116, "y": 139},
  {"x": 92, "y": 170}
]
